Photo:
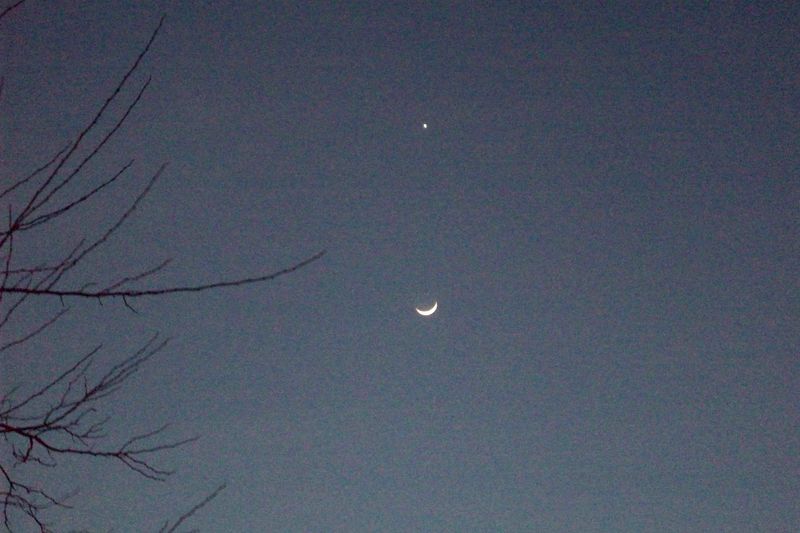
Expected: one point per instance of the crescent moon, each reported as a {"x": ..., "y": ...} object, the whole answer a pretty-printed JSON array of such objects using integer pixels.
[{"x": 427, "y": 312}]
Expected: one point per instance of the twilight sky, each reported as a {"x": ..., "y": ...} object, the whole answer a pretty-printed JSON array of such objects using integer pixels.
[{"x": 605, "y": 206}]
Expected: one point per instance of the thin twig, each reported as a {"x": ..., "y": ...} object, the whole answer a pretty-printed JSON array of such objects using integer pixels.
[
  {"x": 91, "y": 154},
  {"x": 72, "y": 263},
  {"x": 35, "y": 332},
  {"x": 41, "y": 219},
  {"x": 41, "y": 189},
  {"x": 10, "y": 8},
  {"x": 193, "y": 510},
  {"x": 139, "y": 276},
  {"x": 169, "y": 290},
  {"x": 35, "y": 173}
]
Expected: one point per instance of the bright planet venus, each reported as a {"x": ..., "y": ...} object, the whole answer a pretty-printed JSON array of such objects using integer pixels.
[{"x": 427, "y": 312}]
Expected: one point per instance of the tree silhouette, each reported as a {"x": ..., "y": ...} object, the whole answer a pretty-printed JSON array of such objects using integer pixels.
[{"x": 64, "y": 415}]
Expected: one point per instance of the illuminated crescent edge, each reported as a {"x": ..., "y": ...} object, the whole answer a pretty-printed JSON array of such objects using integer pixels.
[{"x": 427, "y": 312}]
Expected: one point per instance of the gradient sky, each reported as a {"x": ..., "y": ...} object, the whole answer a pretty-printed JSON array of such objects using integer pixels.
[{"x": 605, "y": 206}]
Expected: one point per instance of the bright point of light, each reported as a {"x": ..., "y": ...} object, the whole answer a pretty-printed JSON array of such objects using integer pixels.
[{"x": 424, "y": 125}]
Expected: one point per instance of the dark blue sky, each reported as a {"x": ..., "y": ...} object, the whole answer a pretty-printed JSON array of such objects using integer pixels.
[{"x": 605, "y": 206}]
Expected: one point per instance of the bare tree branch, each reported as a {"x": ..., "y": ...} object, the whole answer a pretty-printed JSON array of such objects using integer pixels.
[
  {"x": 64, "y": 417},
  {"x": 33, "y": 201},
  {"x": 188, "y": 514},
  {"x": 66, "y": 266},
  {"x": 33, "y": 174},
  {"x": 41, "y": 219},
  {"x": 168, "y": 290},
  {"x": 80, "y": 166},
  {"x": 47, "y": 424},
  {"x": 43, "y": 326},
  {"x": 139, "y": 276},
  {"x": 60, "y": 419},
  {"x": 10, "y": 8}
]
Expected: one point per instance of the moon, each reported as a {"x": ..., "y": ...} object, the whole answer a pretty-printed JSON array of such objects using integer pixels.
[{"x": 427, "y": 312}]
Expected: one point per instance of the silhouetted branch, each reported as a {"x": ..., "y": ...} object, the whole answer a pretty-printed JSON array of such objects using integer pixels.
[
  {"x": 188, "y": 514},
  {"x": 168, "y": 290},
  {"x": 79, "y": 167},
  {"x": 99, "y": 242},
  {"x": 10, "y": 8},
  {"x": 43, "y": 326},
  {"x": 41, "y": 219},
  {"x": 33, "y": 202},
  {"x": 33, "y": 174},
  {"x": 139, "y": 276},
  {"x": 41, "y": 426},
  {"x": 27, "y": 281},
  {"x": 60, "y": 419},
  {"x": 27, "y": 499},
  {"x": 9, "y": 254}
]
